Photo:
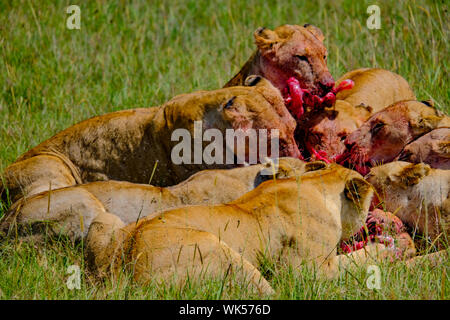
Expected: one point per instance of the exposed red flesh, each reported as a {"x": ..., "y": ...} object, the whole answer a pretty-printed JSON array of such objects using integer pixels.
[
  {"x": 362, "y": 169},
  {"x": 342, "y": 158},
  {"x": 320, "y": 155},
  {"x": 380, "y": 227},
  {"x": 294, "y": 97},
  {"x": 344, "y": 85},
  {"x": 297, "y": 99}
]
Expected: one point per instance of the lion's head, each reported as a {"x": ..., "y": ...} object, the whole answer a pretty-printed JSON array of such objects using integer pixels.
[
  {"x": 326, "y": 130},
  {"x": 432, "y": 148},
  {"x": 416, "y": 193},
  {"x": 354, "y": 192},
  {"x": 294, "y": 51},
  {"x": 253, "y": 110},
  {"x": 384, "y": 135}
]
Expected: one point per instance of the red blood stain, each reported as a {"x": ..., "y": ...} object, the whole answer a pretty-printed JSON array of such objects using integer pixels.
[
  {"x": 297, "y": 99},
  {"x": 380, "y": 227},
  {"x": 320, "y": 155}
]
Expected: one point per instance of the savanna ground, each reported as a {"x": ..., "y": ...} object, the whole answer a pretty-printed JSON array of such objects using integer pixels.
[{"x": 139, "y": 54}]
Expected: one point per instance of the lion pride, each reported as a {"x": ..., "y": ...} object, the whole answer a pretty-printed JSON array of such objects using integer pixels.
[
  {"x": 135, "y": 145},
  {"x": 69, "y": 211},
  {"x": 292, "y": 220}
]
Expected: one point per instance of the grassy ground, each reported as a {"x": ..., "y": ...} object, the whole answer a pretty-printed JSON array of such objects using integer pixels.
[{"x": 137, "y": 54}]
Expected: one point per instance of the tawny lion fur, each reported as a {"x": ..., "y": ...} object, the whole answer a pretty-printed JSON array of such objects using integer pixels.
[
  {"x": 289, "y": 51},
  {"x": 69, "y": 211},
  {"x": 418, "y": 194},
  {"x": 374, "y": 90},
  {"x": 290, "y": 220},
  {"x": 384, "y": 135},
  {"x": 135, "y": 145}
]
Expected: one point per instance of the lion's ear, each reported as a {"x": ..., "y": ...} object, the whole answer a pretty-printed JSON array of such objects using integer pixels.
[
  {"x": 315, "y": 31},
  {"x": 265, "y": 174},
  {"x": 265, "y": 38},
  {"x": 258, "y": 82},
  {"x": 273, "y": 171},
  {"x": 358, "y": 190},
  {"x": 315, "y": 165},
  {"x": 427, "y": 123},
  {"x": 429, "y": 103},
  {"x": 410, "y": 175},
  {"x": 252, "y": 80}
]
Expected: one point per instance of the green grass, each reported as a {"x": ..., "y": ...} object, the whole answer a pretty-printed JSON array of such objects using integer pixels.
[
  {"x": 31, "y": 271},
  {"x": 138, "y": 54}
]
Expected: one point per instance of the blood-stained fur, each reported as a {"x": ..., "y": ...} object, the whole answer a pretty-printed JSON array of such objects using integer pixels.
[{"x": 384, "y": 135}]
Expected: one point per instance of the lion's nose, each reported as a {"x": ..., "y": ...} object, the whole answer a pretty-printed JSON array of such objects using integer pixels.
[{"x": 327, "y": 83}]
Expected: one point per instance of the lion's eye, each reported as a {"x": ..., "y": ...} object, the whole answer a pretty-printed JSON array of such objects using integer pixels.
[
  {"x": 229, "y": 103},
  {"x": 324, "y": 57},
  {"x": 302, "y": 58},
  {"x": 377, "y": 127}
]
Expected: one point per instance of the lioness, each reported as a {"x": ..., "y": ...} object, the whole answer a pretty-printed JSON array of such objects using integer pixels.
[
  {"x": 375, "y": 88},
  {"x": 135, "y": 145},
  {"x": 384, "y": 135},
  {"x": 291, "y": 220},
  {"x": 69, "y": 211},
  {"x": 289, "y": 51},
  {"x": 323, "y": 132},
  {"x": 418, "y": 194},
  {"x": 432, "y": 148}
]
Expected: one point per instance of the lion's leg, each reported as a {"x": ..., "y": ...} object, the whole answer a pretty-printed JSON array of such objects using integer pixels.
[
  {"x": 172, "y": 253},
  {"x": 432, "y": 259},
  {"x": 34, "y": 175},
  {"x": 66, "y": 211},
  {"x": 103, "y": 239},
  {"x": 371, "y": 254}
]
